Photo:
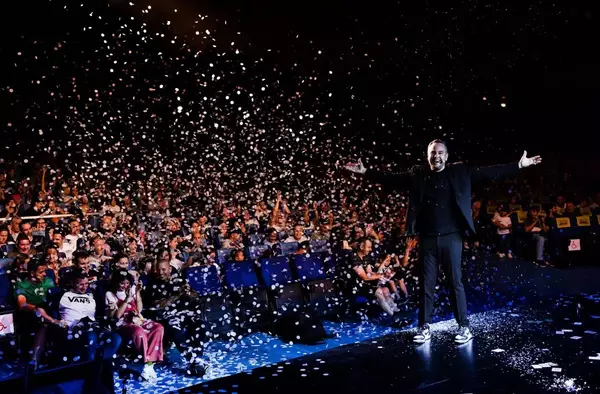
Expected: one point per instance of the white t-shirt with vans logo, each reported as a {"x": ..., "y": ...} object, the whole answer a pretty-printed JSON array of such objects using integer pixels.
[{"x": 74, "y": 307}]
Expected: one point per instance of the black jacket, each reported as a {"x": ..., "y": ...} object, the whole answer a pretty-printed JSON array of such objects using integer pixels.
[{"x": 461, "y": 177}]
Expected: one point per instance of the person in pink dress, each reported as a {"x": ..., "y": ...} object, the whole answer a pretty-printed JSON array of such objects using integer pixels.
[{"x": 124, "y": 304}]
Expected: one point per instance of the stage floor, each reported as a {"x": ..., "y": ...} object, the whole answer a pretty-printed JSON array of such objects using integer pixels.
[{"x": 516, "y": 350}]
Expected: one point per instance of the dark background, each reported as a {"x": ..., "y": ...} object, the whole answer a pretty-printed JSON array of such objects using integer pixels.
[{"x": 539, "y": 58}]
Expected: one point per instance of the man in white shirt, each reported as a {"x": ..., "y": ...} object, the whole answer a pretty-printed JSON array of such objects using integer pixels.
[
  {"x": 74, "y": 240},
  {"x": 77, "y": 310},
  {"x": 298, "y": 235}
]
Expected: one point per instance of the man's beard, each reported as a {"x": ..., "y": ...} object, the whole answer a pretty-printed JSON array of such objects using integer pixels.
[{"x": 437, "y": 164}]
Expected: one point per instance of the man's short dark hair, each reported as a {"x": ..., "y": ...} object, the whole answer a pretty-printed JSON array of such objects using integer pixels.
[
  {"x": 34, "y": 263},
  {"x": 21, "y": 237},
  {"x": 23, "y": 222},
  {"x": 80, "y": 254},
  {"x": 362, "y": 240}
]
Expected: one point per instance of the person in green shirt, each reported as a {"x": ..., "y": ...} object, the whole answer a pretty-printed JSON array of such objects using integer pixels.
[{"x": 31, "y": 295}]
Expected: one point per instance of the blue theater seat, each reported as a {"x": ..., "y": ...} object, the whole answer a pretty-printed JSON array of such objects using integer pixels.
[
  {"x": 240, "y": 275},
  {"x": 276, "y": 271},
  {"x": 215, "y": 307},
  {"x": 309, "y": 268},
  {"x": 7, "y": 299},
  {"x": 285, "y": 291},
  {"x": 204, "y": 280},
  {"x": 247, "y": 297},
  {"x": 256, "y": 251},
  {"x": 319, "y": 289},
  {"x": 288, "y": 248},
  {"x": 224, "y": 255}
]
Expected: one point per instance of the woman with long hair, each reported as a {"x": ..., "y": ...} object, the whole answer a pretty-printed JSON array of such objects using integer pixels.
[{"x": 124, "y": 304}]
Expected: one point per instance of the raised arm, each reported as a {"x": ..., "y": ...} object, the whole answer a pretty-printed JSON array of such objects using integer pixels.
[
  {"x": 503, "y": 171},
  {"x": 391, "y": 179}
]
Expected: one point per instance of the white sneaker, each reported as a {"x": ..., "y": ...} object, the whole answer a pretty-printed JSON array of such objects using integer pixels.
[
  {"x": 149, "y": 374},
  {"x": 464, "y": 335},
  {"x": 423, "y": 334}
]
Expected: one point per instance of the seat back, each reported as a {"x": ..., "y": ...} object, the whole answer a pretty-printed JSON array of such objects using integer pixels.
[
  {"x": 54, "y": 296},
  {"x": 256, "y": 251},
  {"x": 309, "y": 267},
  {"x": 204, "y": 280},
  {"x": 318, "y": 246},
  {"x": 240, "y": 275},
  {"x": 7, "y": 297},
  {"x": 276, "y": 271},
  {"x": 224, "y": 255},
  {"x": 288, "y": 248}
]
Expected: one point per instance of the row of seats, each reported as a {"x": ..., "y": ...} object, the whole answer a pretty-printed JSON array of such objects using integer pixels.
[
  {"x": 281, "y": 249},
  {"x": 248, "y": 293}
]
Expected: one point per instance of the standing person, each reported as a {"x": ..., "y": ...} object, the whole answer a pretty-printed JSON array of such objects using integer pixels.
[{"x": 440, "y": 212}]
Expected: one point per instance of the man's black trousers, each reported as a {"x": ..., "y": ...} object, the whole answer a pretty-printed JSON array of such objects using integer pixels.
[{"x": 444, "y": 250}]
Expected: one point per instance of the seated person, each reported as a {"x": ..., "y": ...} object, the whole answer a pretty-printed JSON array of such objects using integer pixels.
[
  {"x": 297, "y": 235},
  {"x": 503, "y": 225},
  {"x": 18, "y": 268},
  {"x": 121, "y": 262},
  {"x": 238, "y": 255},
  {"x": 272, "y": 238},
  {"x": 397, "y": 285},
  {"x": 174, "y": 304},
  {"x": 538, "y": 228},
  {"x": 77, "y": 309},
  {"x": 31, "y": 295},
  {"x": 81, "y": 260},
  {"x": 366, "y": 281},
  {"x": 124, "y": 305},
  {"x": 235, "y": 240}
]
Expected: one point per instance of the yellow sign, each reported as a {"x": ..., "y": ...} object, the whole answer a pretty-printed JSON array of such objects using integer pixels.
[
  {"x": 522, "y": 215},
  {"x": 563, "y": 222},
  {"x": 586, "y": 211},
  {"x": 583, "y": 221},
  {"x": 516, "y": 207},
  {"x": 491, "y": 209}
]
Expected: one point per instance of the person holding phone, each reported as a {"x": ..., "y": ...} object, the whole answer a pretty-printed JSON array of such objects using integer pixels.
[
  {"x": 537, "y": 226},
  {"x": 124, "y": 305},
  {"x": 440, "y": 213}
]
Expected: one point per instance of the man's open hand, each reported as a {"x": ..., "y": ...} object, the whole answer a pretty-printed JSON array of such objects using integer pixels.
[{"x": 529, "y": 161}]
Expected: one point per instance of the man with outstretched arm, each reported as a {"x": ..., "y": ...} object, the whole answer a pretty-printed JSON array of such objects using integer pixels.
[{"x": 440, "y": 213}]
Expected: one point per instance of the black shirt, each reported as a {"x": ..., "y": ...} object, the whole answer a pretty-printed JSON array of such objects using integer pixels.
[
  {"x": 439, "y": 214},
  {"x": 158, "y": 290},
  {"x": 356, "y": 261}
]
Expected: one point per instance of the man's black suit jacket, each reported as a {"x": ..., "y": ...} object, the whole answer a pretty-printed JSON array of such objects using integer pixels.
[{"x": 461, "y": 177}]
